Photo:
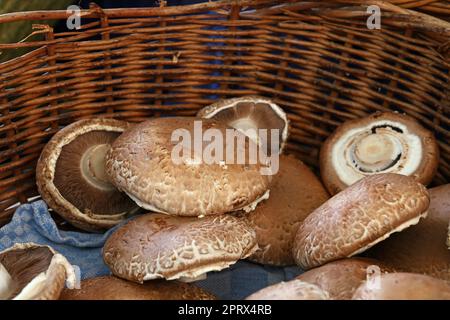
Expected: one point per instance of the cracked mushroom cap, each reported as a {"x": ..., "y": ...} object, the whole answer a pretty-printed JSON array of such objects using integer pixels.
[
  {"x": 404, "y": 286},
  {"x": 156, "y": 246},
  {"x": 359, "y": 217},
  {"x": 294, "y": 193},
  {"x": 421, "y": 248},
  {"x": 71, "y": 177},
  {"x": 341, "y": 278},
  {"x": 174, "y": 178},
  {"x": 380, "y": 143},
  {"x": 30, "y": 271},
  {"x": 249, "y": 114},
  {"x": 290, "y": 290},
  {"x": 112, "y": 288}
]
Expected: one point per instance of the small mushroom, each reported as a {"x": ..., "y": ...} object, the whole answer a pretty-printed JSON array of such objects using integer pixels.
[
  {"x": 404, "y": 286},
  {"x": 341, "y": 278},
  {"x": 112, "y": 288},
  {"x": 294, "y": 193},
  {"x": 421, "y": 248},
  {"x": 30, "y": 271},
  {"x": 359, "y": 217},
  {"x": 249, "y": 114},
  {"x": 170, "y": 177},
  {"x": 381, "y": 143},
  {"x": 71, "y": 177},
  {"x": 156, "y": 246},
  {"x": 290, "y": 290}
]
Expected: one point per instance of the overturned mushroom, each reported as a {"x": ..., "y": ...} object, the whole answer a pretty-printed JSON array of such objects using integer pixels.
[
  {"x": 71, "y": 177},
  {"x": 421, "y": 248},
  {"x": 30, "y": 271},
  {"x": 294, "y": 193},
  {"x": 290, "y": 290},
  {"x": 359, "y": 217},
  {"x": 156, "y": 246},
  {"x": 112, "y": 288},
  {"x": 404, "y": 286},
  {"x": 341, "y": 278},
  {"x": 250, "y": 114},
  {"x": 175, "y": 176},
  {"x": 381, "y": 143}
]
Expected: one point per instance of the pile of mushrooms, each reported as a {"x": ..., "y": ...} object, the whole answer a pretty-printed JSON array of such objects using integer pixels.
[{"x": 187, "y": 218}]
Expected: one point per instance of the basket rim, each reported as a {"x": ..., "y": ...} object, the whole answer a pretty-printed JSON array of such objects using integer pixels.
[{"x": 427, "y": 22}]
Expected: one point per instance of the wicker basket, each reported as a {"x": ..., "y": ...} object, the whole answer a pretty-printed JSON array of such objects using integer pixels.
[{"x": 318, "y": 60}]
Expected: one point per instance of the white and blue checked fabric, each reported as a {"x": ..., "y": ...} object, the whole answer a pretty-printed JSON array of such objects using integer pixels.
[{"x": 33, "y": 223}]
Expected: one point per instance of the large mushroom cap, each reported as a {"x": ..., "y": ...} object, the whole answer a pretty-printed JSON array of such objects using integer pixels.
[
  {"x": 144, "y": 163},
  {"x": 357, "y": 218},
  {"x": 71, "y": 177},
  {"x": 341, "y": 278},
  {"x": 161, "y": 246},
  {"x": 30, "y": 271},
  {"x": 112, "y": 288},
  {"x": 290, "y": 290},
  {"x": 381, "y": 143},
  {"x": 404, "y": 286},
  {"x": 421, "y": 248},
  {"x": 250, "y": 114},
  {"x": 294, "y": 193}
]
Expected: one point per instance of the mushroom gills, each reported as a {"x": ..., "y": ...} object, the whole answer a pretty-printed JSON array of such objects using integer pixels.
[{"x": 401, "y": 227}]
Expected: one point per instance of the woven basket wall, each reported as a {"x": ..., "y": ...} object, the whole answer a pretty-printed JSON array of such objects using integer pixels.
[{"x": 318, "y": 60}]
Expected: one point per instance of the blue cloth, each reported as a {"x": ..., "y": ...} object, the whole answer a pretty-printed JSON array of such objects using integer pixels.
[{"x": 33, "y": 223}]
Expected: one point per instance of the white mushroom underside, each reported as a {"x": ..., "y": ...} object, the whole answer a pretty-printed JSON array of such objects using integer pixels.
[
  {"x": 349, "y": 174},
  {"x": 6, "y": 283},
  {"x": 401, "y": 227}
]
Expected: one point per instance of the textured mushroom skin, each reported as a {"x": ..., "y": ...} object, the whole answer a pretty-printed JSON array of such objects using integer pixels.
[
  {"x": 140, "y": 163},
  {"x": 45, "y": 171},
  {"x": 423, "y": 174},
  {"x": 25, "y": 261},
  {"x": 290, "y": 290},
  {"x": 357, "y": 217},
  {"x": 162, "y": 246},
  {"x": 341, "y": 278},
  {"x": 112, "y": 288},
  {"x": 421, "y": 248},
  {"x": 404, "y": 286},
  {"x": 294, "y": 193}
]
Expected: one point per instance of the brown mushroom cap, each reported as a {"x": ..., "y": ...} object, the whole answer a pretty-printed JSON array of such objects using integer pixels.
[
  {"x": 140, "y": 163},
  {"x": 161, "y": 246},
  {"x": 290, "y": 290},
  {"x": 421, "y": 248},
  {"x": 385, "y": 142},
  {"x": 71, "y": 178},
  {"x": 30, "y": 271},
  {"x": 342, "y": 277},
  {"x": 294, "y": 193},
  {"x": 404, "y": 286},
  {"x": 357, "y": 218},
  {"x": 112, "y": 288},
  {"x": 250, "y": 112}
]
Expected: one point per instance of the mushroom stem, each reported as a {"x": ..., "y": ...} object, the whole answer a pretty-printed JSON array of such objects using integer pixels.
[
  {"x": 375, "y": 152},
  {"x": 6, "y": 283},
  {"x": 92, "y": 166}
]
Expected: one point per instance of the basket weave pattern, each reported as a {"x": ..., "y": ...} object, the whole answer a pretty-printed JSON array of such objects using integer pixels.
[{"x": 317, "y": 60}]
